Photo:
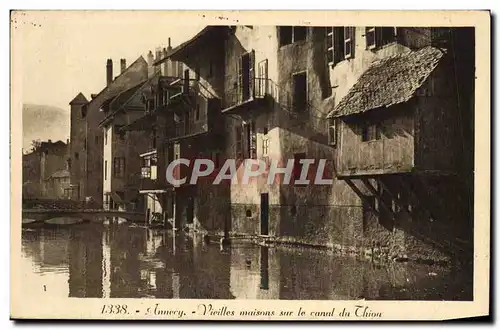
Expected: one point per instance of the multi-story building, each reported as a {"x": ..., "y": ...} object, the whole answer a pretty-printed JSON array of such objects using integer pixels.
[
  {"x": 402, "y": 122},
  {"x": 278, "y": 84},
  {"x": 121, "y": 161},
  {"x": 87, "y": 139},
  {"x": 183, "y": 116},
  {"x": 372, "y": 129},
  {"x": 45, "y": 171}
]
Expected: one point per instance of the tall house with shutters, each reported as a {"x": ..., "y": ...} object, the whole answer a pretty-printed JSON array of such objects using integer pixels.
[
  {"x": 402, "y": 131},
  {"x": 182, "y": 113}
]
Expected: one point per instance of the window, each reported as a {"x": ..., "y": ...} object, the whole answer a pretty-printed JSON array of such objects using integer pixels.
[
  {"x": 265, "y": 130},
  {"x": 299, "y": 33},
  {"x": 299, "y": 92},
  {"x": 96, "y": 139},
  {"x": 286, "y": 35},
  {"x": 77, "y": 155},
  {"x": 119, "y": 167},
  {"x": 265, "y": 146},
  {"x": 339, "y": 43},
  {"x": 105, "y": 170},
  {"x": 297, "y": 166},
  {"x": 145, "y": 172},
  {"x": 291, "y": 34},
  {"x": 239, "y": 143},
  {"x": 332, "y": 133},
  {"x": 248, "y": 213},
  {"x": 119, "y": 132},
  {"x": 379, "y": 36},
  {"x": 85, "y": 144},
  {"x": 84, "y": 110},
  {"x": 370, "y": 132},
  {"x": 349, "y": 41},
  {"x": 251, "y": 137}
]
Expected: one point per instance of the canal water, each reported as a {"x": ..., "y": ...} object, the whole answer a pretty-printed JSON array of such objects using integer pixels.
[{"x": 96, "y": 260}]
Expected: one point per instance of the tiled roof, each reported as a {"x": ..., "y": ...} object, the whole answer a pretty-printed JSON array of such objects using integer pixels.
[{"x": 389, "y": 81}]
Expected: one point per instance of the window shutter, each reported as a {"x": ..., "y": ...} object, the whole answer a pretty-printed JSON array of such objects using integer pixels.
[
  {"x": 252, "y": 73},
  {"x": 338, "y": 40},
  {"x": 329, "y": 45},
  {"x": 349, "y": 43},
  {"x": 239, "y": 69},
  {"x": 261, "y": 86},
  {"x": 371, "y": 37}
]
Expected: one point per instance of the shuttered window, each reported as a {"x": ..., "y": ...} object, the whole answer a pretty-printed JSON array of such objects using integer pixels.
[
  {"x": 379, "y": 36},
  {"x": 340, "y": 43}
]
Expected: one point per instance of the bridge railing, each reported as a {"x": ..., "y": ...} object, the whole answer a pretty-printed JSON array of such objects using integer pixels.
[{"x": 56, "y": 204}]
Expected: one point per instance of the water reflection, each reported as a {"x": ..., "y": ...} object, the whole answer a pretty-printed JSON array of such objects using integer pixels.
[{"x": 121, "y": 260}]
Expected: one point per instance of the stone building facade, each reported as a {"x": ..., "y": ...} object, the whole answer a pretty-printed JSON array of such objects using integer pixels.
[
  {"x": 403, "y": 104},
  {"x": 45, "y": 171},
  {"x": 87, "y": 139}
]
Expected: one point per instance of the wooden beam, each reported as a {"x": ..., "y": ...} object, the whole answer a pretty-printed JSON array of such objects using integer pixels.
[
  {"x": 361, "y": 196},
  {"x": 416, "y": 200},
  {"x": 372, "y": 189},
  {"x": 398, "y": 200}
]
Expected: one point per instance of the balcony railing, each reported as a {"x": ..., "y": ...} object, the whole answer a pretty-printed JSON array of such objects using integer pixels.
[
  {"x": 183, "y": 129},
  {"x": 257, "y": 88}
]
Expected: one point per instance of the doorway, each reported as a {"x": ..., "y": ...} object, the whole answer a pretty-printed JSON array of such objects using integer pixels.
[
  {"x": 264, "y": 214},
  {"x": 245, "y": 79}
]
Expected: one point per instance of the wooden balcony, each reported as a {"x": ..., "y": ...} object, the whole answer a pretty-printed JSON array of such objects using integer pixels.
[
  {"x": 190, "y": 129},
  {"x": 256, "y": 95}
]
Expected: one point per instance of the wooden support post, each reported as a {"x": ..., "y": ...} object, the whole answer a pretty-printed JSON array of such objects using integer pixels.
[
  {"x": 361, "y": 195},
  {"x": 395, "y": 198},
  {"x": 416, "y": 200},
  {"x": 375, "y": 193}
]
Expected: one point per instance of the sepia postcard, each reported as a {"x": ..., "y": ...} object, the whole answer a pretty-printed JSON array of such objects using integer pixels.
[{"x": 250, "y": 165}]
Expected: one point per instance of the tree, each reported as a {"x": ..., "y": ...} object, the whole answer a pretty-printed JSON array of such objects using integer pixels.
[{"x": 35, "y": 144}]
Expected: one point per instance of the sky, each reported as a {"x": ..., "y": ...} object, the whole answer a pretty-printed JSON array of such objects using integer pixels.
[{"x": 64, "y": 53}]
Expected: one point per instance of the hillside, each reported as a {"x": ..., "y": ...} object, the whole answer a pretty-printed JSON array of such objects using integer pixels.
[{"x": 44, "y": 122}]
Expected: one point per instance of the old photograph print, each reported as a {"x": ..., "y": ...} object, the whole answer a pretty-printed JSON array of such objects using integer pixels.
[{"x": 273, "y": 162}]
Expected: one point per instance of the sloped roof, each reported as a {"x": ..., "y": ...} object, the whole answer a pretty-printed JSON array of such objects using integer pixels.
[
  {"x": 179, "y": 51},
  {"x": 389, "y": 81},
  {"x": 122, "y": 99},
  {"x": 121, "y": 78},
  {"x": 79, "y": 99}
]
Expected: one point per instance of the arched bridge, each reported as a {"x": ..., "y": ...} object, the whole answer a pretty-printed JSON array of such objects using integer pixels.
[{"x": 74, "y": 216}]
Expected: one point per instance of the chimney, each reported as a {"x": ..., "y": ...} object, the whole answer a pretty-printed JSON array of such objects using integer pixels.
[
  {"x": 169, "y": 48},
  {"x": 67, "y": 142},
  {"x": 50, "y": 141},
  {"x": 166, "y": 69},
  {"x": 151, "y": 58},
  {"x": 123, "y": 65},
  {"x": 109, "y": 71}
]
